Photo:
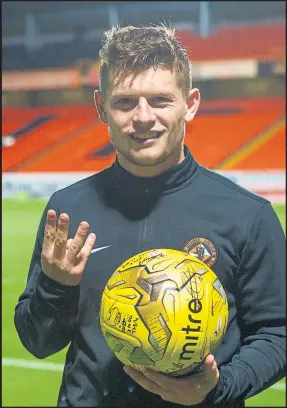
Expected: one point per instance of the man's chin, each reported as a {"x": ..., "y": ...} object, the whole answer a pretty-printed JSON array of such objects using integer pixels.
[{"x": 145, "y": 158}]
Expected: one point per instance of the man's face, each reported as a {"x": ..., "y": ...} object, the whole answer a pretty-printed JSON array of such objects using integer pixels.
[{"x": 146, "y": 115}]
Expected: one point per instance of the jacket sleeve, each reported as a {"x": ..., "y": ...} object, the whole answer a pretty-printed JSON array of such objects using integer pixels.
[
  {"x": 46, "y": 311},
  {"x": 261, "y": 360}
]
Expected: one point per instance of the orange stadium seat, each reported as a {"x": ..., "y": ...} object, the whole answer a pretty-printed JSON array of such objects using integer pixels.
[
  {"x": 35, "y": 142},
  {"x": 265, "y": 41}
]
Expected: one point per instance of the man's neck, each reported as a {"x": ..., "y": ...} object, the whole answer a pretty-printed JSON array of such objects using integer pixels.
[{"x": 150, "y": 171}]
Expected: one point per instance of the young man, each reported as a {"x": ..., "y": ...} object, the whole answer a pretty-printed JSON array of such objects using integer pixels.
[{"x": 154, "y": 196}]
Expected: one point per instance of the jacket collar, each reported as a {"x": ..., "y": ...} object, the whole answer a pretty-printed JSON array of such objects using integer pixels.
[{"x": 173, "y": 179}]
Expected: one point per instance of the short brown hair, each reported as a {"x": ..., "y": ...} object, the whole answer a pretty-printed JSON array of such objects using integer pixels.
[{"x": 133, "y": 49}]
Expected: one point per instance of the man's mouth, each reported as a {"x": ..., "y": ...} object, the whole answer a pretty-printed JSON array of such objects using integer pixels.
[{"x": 145, "y": 136}]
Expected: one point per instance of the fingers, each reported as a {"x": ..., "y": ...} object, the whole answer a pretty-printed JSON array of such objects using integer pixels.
[
  {"x": 78, "y": 242},
  {"x": 69, "y": 243},
  {"x": 185, "y": 391},
  {"x": 87, "y": 249},
  {"x": 143, "y": 381},
  {"x": 61, "y": 237},
  {"x": 56, "y": 245},
  {"x": 161, "y": 379},
  {"x": 50, "y": 231}
]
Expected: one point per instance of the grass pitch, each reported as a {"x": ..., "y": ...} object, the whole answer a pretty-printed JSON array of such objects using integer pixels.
[{"x": 27, "y": 381}]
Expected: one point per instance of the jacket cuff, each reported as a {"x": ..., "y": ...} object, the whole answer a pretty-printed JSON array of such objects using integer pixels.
[
  {"x": 52, "y": 297},
  {"x": 215, "y": 393},
  {"x": 51, "y": 286}
]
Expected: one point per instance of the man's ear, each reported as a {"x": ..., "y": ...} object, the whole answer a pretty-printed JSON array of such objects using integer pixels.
[
  {"x": 100, "y": 105},
  {"x": 192, "y": 103}
]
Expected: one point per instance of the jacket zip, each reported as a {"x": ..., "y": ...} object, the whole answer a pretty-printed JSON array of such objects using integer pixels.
[{"x": 144, "y": 234}]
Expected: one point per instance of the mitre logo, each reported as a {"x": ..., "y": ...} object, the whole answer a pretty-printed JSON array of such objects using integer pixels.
[{"x": 203, "y": 249}]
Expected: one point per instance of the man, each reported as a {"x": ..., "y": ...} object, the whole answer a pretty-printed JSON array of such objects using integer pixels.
[{"x": 154, "y": 196}]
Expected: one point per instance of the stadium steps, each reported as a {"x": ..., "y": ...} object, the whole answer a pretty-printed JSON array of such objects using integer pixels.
[
  {"x": 212, "y": 140},
  {"x": 10, "y": 126},
  {"x": 73, "y": 154},
  {"x": 272, "y": 153}
]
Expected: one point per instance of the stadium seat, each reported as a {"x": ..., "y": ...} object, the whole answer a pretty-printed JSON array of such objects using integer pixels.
[{"x": 264, "y": 41}]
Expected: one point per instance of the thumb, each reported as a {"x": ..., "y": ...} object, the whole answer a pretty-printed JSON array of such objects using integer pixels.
[{"x": 210, "y": 368}]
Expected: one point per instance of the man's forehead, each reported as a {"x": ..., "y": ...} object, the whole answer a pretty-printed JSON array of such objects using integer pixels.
[{"x": 157, "y": 79}]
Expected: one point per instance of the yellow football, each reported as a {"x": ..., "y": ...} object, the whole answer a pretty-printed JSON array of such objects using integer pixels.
[{"x": 165, "y": 310}]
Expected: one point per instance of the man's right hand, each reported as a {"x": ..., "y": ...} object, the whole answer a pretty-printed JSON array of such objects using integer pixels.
[{"x": 64, "y": 260}]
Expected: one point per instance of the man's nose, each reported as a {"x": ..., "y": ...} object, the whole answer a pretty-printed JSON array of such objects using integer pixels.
[{"x": 144, "y": 115}]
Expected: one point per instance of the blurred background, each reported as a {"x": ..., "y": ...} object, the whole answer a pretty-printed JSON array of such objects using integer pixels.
[{"x": 52, "y": 137}]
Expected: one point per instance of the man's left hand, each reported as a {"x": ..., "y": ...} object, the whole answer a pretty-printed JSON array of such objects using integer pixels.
[{"x": 190, "y": 390}]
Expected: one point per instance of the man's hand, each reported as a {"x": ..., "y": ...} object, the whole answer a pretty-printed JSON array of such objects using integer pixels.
[
  {"x": 190, "y": 390},
  {"x": 64, "y": 260}
]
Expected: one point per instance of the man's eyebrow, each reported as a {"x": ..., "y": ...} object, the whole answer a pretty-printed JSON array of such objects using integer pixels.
[
  {"x": 133, "y": 96},
  {"x": 119, "y": 95},
  {"x": 164, "y": 94}
]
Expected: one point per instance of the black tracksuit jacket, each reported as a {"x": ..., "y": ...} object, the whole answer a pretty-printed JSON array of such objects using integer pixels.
[{"x": 233, "y": 230}]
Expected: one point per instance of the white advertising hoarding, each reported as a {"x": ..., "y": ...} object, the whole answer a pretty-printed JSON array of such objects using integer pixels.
[{"x": 269, "y": 184}]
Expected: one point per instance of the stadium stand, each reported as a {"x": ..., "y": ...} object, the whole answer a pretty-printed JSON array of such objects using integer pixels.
[
  {"x": 251, "y": 42},
  {"x": 227, "y": 126},
  {"x": 43, "y": 135}
]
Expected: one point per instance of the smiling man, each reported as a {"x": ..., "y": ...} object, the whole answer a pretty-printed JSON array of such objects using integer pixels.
[
  {"x": 155, "y": 195},
  {"x": 146, "y": 114}
]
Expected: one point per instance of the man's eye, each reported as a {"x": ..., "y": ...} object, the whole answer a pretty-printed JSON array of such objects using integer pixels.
[
  {"x": 125, "y": 101},
  {"x": 159, "y": 99}
]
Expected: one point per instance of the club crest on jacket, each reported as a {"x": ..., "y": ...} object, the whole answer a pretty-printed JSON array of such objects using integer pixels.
[{"x": 203, "y": 249}]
